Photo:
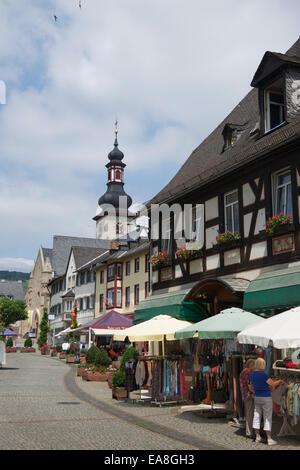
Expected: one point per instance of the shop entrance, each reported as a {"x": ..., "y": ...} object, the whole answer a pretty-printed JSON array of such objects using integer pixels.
[{"x": 214, "y": 295}]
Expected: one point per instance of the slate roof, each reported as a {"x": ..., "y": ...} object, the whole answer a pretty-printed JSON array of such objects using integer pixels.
[
  {"x": 47, "y": 253},
  {"x": 13, "y": 289},
  {"x": 83, "y": 255},
  {"x": 62, "y": 246},
  {"x": 208, "y": 161}
]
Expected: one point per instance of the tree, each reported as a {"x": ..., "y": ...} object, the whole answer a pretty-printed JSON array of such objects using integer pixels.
[
  {"x": 12, "y": 311},
  {"x": 44, "y": 328}
]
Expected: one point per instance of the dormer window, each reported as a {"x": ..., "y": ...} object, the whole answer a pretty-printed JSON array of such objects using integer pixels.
[
  {"x": 232, "y": 133},
  {"x": 228, "y": 139},
  {"x": 274, "y": 107}
]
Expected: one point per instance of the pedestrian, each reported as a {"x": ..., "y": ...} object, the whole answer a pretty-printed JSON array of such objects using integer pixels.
[
  {"x": 263, "y": 403},
  {"x": 248, "y": 396}
]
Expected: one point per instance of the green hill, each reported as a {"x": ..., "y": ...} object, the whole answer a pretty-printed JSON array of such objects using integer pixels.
[{"x": 14, "y": 276}]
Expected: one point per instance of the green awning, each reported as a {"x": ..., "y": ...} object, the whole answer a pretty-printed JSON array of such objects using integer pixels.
[
  {"x": 172, "y": 304},
  {"x": 278, "y": 289}
]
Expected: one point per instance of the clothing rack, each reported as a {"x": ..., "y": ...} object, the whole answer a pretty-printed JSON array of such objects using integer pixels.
[
  {"x": 148, "y": 399},
  {"x": 288, "y": 376}
]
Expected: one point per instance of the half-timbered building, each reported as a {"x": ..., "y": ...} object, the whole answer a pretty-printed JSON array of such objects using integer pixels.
[{"x": 244, "y": 173}]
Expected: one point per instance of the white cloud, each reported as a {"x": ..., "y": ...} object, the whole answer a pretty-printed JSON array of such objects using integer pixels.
[
  {"x": 169, "y": 70},
  {"x": 16, "y": 264}
]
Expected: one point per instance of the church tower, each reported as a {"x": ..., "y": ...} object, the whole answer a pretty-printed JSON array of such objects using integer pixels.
[{"x": 113, "y": 217}]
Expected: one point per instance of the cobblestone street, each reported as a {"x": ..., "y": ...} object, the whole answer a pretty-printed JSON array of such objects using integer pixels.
[
  {"x": 44, "y": 406},
  {"x": 38, "y": 412}
]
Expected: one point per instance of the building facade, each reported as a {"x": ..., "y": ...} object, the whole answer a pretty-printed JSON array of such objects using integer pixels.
[
  {"x": 37, "y": 296},
  {"x": 122, "y": 279},
  {"x": 244, "y": 174}
]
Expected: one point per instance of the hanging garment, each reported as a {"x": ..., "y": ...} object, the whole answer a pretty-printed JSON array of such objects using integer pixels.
[
  {"x": 268, "y": 359},
  {"x": 167, "y": 393},
  {"x": 146, "y": 373},
  {"x": 130, "y": 382},
  {"x": 296, "y": 402},
  {"x": 178, "y": 379},
  {"x": 289, "y": 399},
  {"x": 149, "y": 381},
  {"x": 140, "y": 373},
  {"x": 156, "y": 380},
  {"x": 183, "y": 385}
]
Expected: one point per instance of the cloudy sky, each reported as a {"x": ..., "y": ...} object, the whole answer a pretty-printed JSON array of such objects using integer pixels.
[{"x": 170, "y": 70}]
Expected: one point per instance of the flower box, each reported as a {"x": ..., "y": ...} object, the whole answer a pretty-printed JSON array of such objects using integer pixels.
[
  {"x": 62, "y": 355},
  {"x": 96, "y": 376},
  {"x": 279, "y": 224},
  {"x": 230, "y": 245},
  {"x": 27, "y": 350},
  {"x": 120, "y": 393},
  {"x": 45, "y": 352},
  {"x": 53, "y": 353},
  {"x": 160, "y": 260},
  {"x": 11, "y": 349},
  {"x": 282, "y": 229},
  {"x": 80, "y": 371},
  {"x": 183, "y": 253},
  {"x": 70, "y": 359}
]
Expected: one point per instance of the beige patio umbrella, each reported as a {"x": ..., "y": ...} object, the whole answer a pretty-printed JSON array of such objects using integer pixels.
[{"x": 157, "y": 328}]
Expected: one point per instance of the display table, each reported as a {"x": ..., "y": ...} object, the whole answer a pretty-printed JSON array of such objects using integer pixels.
[{"x": 203, "y": 407}]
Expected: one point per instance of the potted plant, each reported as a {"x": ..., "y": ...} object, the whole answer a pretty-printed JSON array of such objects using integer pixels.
[
  {"x": 45, "y": 349},
  {"x": 70, "y": 357},
  {"x": 229, "y": 239},
  {"x": 53, "y": 353},
  {"x": 62, "y": 355},
  {"x": 91, "y": 353},
  {"x": 58, "y": 348},
  {"x": 27, "y": 346},
  {"x": 160, "y": 259},
  {"x": 10, "y": 346},
  {"x": 278, "y": 224},
  {"x": 99, "y": 372},
  {"x": 118, "y": 391}
]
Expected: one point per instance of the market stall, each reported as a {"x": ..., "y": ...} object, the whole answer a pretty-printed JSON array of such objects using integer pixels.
[
  {"x": 162, "y": 375},
  {"x": 281, "y": 332},
  {"x": 110, "y": 321},
  {"x": 219, "y": 358}
]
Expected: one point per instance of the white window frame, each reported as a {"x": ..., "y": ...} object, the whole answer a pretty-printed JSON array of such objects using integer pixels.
[
  {"x": 276, "y": 186},
  {"x": 166, "y": 243},
  {"x": 231, "y": 205},
  {"x": 268, "y": 102}
]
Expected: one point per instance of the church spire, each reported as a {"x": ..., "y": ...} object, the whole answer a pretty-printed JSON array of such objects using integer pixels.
[{"x": 115, "y": 168}]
